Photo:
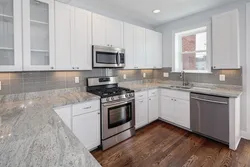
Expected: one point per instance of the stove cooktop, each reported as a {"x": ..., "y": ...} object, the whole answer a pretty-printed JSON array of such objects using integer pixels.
[{"x": 108, "y": 92}]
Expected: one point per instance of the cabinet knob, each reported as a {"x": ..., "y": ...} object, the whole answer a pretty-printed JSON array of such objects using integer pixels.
[
  {"x": 98, "y": 113},
  {"x": 77, "y": 67},
  {"x": 73, "y": 67},
  {"x": 214, "y": 66},
  {"x": 52, "y": 67}
]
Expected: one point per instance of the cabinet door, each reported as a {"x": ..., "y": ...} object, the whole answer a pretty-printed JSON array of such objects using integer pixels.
[
  {"x": 81, "y": 44},
  {"x": 65, "y": 114},
  {"x": 63, "y": 18},
  {"x": 86, "y": 127},
  {"x": 38, "y": 35},
  {"x": 153, "y": 49},
  {"x": 158, "y": 49},
  {"x": 10, "y": 35},
  {"x": 129, "y": 45},
  {"x": 167, "y": 109},
  {"x": 153, "y": 108},
  {"x": 99, "y": 30},
  {"x": 139, "y": 47},
  {"x": 182, "y": 112},
  {"x": 141, "y": 113},
  {"x": 226, "y": 40},
  {"x": 114, "y": 33}
]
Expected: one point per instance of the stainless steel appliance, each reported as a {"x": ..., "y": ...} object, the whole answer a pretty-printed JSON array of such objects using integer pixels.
[
  {"x": 108, "y": 57},
  {"x": 117, "y": 110},
  {"x": 210, "y": 116}
]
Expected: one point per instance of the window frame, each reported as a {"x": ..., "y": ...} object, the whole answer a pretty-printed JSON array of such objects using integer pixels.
[{"x": 177, "y": 61}]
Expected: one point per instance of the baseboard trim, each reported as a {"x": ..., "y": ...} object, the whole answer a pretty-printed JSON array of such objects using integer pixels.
[{"x": 245, "y": 135}]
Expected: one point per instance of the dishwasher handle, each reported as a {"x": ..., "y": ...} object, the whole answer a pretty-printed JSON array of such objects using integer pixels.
[{"x": 210, "y": 101}]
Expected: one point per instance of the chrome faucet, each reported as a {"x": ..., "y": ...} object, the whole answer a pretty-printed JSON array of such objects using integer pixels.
[{"x": 182, "y": 76}]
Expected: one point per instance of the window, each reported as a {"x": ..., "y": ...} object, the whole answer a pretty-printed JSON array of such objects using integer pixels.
[{"x": 192, "y": 51}]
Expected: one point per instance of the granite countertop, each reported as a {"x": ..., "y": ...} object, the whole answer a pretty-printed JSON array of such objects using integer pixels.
[
  {"x": 32, "y": 134},
  {"x": 218, "y": 90}
]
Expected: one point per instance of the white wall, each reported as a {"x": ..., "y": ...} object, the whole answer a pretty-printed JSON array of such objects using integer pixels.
[{"x": 204, "y": 17}]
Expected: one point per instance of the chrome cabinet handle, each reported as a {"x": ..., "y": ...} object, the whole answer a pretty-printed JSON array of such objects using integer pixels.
[{"x": 86, "y": 108}]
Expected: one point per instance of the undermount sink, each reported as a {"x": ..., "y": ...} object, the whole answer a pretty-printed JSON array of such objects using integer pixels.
[{"x": 181, "y": 87}]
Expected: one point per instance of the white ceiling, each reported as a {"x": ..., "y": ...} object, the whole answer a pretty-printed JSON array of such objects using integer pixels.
[{"x": 141, "y": 10}]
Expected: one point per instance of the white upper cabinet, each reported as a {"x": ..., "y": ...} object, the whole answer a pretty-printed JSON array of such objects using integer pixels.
[
  {"x": 10, "y": 35},
  {"x": 134, "y": 45},
  {"x": 107, "y": 31},
  {"x": 73, "y": 41},
  {"x": 225, "y": 30},
  {"x": 139, "y": 47},
  {"x": 63, "y": 18},
  {"x": 129, "y": 45},
  {"x": 82, "y": 43},
  {"x": 38, "y": 35},
  {"x": 153, "y": 49}
]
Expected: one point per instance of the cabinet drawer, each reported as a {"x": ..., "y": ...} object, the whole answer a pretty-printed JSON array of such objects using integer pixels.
[
  {"x": 141, "y": 95},
  {"x": 86, "y": 107},
  {"x": 175, "y": 94},
  {"x": 153, "y": 92}
]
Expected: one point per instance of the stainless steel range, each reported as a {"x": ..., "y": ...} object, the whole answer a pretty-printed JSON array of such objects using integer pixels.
[{"x": 117, "y": 110}]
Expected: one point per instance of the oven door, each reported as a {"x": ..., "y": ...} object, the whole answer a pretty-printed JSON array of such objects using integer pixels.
[{"x": 117, "y": 117}]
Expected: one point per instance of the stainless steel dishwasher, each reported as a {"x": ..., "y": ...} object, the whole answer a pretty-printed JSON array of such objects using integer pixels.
[{"x": 209, "y": 116}]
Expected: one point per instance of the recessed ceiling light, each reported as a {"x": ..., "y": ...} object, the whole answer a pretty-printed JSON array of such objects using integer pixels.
[{"x": 156, "y": 11}]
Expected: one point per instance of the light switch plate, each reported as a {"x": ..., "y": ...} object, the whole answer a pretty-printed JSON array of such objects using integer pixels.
[
  {"x": 124, "y": 76},
  {"x": 144, "y": 75},
  {"x": 77, "y": 80},
  {"x": 222, "y": 78},
  {"x": 165, "y": 74}
]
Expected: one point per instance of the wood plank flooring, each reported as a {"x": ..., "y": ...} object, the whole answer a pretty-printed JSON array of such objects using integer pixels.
[{"x": 164, "y": 145}]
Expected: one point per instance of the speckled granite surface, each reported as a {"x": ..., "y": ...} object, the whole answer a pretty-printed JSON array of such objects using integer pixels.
[
  {"x": 32, "y": 134},
  {"x": 210, "y": 89}
]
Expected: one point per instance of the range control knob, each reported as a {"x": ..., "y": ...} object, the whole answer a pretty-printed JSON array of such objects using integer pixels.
[
  {"x": 127, "y": 95},
  {"x": 107, "y": 99},
  {"x": 112, "y": 98},
  {"x": 131, "y": 94}
]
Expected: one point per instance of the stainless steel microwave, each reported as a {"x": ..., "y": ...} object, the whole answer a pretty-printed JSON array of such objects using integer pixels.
[{"x": 108, "y": 57}]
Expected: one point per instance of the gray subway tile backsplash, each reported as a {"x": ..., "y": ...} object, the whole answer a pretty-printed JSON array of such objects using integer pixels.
[{"x": 22, "y": 82}]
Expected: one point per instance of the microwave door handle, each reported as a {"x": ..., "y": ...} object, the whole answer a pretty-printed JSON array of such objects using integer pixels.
[{"x": 118, "y": 58}]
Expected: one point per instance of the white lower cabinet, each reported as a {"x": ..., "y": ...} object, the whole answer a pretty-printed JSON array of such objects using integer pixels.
[
  {"x": 176, "y": 108},
  {"x": 86, "y": 127},
  {"x": 153, "y": 106},
  {"x": 84, "y": 120},
  {"x": 167, "y": 108},
  {"x": 65, "y": 114},
  {"x": 141, "y": 110}
]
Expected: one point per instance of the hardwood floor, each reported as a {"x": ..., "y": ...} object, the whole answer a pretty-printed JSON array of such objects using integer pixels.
[{"x": 161, "y": 144}]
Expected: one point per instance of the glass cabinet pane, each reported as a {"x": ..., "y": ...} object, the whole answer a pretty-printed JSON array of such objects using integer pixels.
[
  {"x": 6, "y": 7},
  {"x": 6, "y": 33},
  {"x": 39, "y": 29}
]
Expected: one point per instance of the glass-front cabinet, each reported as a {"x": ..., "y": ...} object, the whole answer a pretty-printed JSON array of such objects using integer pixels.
[
  {"x": 38, "y": 35},
  {"x": 10, "y": 35}
]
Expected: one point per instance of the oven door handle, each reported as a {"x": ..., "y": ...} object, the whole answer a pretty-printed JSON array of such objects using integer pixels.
[{"x": 117, "y": 103}]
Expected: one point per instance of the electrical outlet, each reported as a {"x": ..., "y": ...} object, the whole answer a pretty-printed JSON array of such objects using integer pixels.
[
  {"x": 124, "y": 76},
  {"x": 144, "y": 75},
  {"x": 165, "y": 74},
  {"x": 222, "y": 78},
  {"x": 77, "y": 80}
]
